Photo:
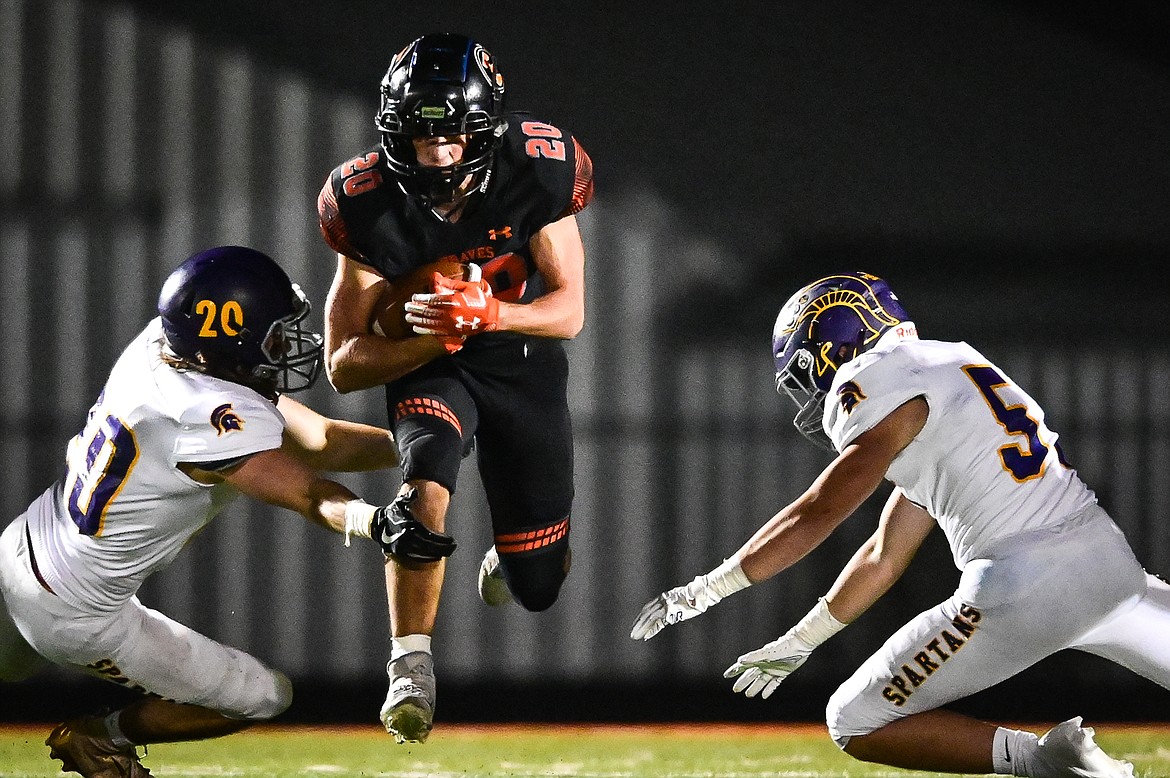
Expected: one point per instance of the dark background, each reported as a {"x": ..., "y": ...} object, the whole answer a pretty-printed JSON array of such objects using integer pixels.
[
  {"x": 1005, "y": 164},
  {"x": 1016, "y": 146}
]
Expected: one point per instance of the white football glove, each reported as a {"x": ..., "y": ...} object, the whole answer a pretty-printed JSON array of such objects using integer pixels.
[
  {"x": 762, "y": 670},
  {"x": 671, "y": 607},
  {"x": 686, "y": 602}
]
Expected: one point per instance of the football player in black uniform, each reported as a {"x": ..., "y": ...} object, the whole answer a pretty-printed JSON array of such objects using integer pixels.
[{"x": 455, "y": 177}]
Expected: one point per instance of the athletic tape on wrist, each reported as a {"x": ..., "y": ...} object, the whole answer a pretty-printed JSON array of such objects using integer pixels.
[
  {"x": 818, "y": 625},
  {"x": 359, "y": 514},
  {"x": 728, "y": 578}
]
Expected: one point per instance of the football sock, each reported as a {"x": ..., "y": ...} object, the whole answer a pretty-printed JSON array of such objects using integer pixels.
[
  {"x": 114, "y": 730},
  {"x": 1012, "y": 750},
  {"x": 407, "y": 644}
]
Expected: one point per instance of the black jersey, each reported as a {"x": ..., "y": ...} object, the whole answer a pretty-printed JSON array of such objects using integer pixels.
[{"x": 540, "y": 174}]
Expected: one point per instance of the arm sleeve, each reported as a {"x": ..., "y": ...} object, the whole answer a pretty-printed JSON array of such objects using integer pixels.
[
  {"x": 333, "y": 227},
  {"x": 582, "y": 181},
  {"x": 221, "y": 427}
]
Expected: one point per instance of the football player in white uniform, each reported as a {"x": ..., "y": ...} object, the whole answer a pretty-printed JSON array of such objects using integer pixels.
[
  {"x": 1044, "y": 568},
  {"x": 194, "y": 412}
]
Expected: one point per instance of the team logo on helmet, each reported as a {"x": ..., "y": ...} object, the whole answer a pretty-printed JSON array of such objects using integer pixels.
[
  {"x": 400, "y": 55},
  {"x": 225, "y": 419},
  {"x": 849, "y": 395},
  {"x": 486, "y": 66}
]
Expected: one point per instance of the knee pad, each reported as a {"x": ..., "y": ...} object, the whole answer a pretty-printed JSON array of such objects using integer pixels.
[
  {"x": 535, "y": 578},
  {"x": 430, "y": 441}
]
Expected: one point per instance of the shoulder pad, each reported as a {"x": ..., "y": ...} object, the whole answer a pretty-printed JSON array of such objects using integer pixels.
[
  {"x": 560, "y": 170},
  {"x": 221, "y": 425},
  {"x": 343, "y": 200}
]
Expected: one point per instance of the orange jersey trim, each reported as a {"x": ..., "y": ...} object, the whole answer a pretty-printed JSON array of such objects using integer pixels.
[
  {"x": 582, "y": 181},
  {"x": 332, "y": 225},
  {"x": 430, "y": 407}
]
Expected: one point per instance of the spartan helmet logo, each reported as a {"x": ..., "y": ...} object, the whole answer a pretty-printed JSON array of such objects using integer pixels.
[{"x": 224, "y": 419}]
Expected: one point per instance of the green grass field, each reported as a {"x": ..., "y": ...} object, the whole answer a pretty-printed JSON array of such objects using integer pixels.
[{"x": 684, "y": 751}]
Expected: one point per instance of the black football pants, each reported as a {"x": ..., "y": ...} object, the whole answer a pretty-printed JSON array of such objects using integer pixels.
[{"x": 506, "y": 393}]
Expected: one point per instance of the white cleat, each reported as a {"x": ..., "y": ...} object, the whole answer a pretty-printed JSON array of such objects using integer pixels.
[
  {"x": 409, "y": 710},
  {"x": 1068, "y": 749},
  {"x": 493, "y": 589}
]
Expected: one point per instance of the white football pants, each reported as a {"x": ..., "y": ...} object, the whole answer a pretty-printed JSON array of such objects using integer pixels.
[
  {"x": 135, "y": 646},
  {"x": 1076, "y": 586}
]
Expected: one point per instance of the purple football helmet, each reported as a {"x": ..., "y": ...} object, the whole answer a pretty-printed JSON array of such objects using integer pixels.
[
  {"x": 820, "y": 328},
  {"x": 232, "y": 312}
]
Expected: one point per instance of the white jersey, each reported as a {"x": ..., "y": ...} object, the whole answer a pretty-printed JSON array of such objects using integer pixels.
[
  {"x": 985, "y": 465},
  {"x": 123, "y": 509}
]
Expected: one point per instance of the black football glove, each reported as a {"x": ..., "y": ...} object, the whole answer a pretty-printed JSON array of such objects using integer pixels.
[{"x": 403, "y": 536}]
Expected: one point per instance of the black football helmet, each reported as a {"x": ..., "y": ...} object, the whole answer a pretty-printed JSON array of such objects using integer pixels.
[
  {"x": 819, "y": 329},
  {"x": 441, "y": 85},
  {"x": 232, "y": 312}
]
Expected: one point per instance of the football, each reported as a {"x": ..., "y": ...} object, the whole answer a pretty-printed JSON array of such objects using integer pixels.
[{"x": 389, "y": 318}]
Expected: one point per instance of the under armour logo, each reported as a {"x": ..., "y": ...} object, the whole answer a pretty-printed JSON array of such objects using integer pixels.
[
  {"x": 465, "y": 324},
  {"x": 503, "y": 232}
]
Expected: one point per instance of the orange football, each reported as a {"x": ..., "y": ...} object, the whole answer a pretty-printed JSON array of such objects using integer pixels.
[{"x": 389, "y": 319}]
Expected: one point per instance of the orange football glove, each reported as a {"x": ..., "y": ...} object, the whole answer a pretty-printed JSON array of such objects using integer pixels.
[
  {"x": 452, "y": 344},
  {"x": 455, "y": 310}
]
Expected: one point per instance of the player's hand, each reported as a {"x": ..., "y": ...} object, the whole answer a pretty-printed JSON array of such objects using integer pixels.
[
  {"x": 403, "y": 536},
  {"x": 455, "y": 309},
  {"x": 671, "y": 607},
  {"x": 452, "y": 342},
  {"x": 762, "y": 670}
]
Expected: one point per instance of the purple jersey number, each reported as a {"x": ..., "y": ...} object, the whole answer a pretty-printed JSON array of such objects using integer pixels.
[
  {"x": 99, "y": 461},
  {"x": 1023, "y": 463}
]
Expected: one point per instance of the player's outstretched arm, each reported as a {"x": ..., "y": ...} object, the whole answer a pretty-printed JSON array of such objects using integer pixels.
[
  {"x": 334, "y": 445},
  {"x": 882, "y": 559},
  {"x": 798, "y": 528},
  {"x": 836, "y": 493},
  {"x": 874, "y": 568},
  {"x": 280, "y": 478}
]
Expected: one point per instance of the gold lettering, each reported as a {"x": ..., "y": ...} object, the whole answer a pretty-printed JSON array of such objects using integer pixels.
[
  {"x": 953, "y": 643},
  {"x": 934, "y": 646},
  {"x": 912, "y": 676},
  {"x": 964, "y": 628},
  {"x": 893, "y": 696},
  {"x": 925, "y": 662},
  {"x": 231, "y": 318},
  {"x": 207, "y": 308}
]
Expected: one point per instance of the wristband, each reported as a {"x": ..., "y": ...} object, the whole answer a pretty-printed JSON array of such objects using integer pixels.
[
  {"x": 359, "y": 514},
  {"x": 817, "y": 626},
  {"x": 727, "y": 579}
]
